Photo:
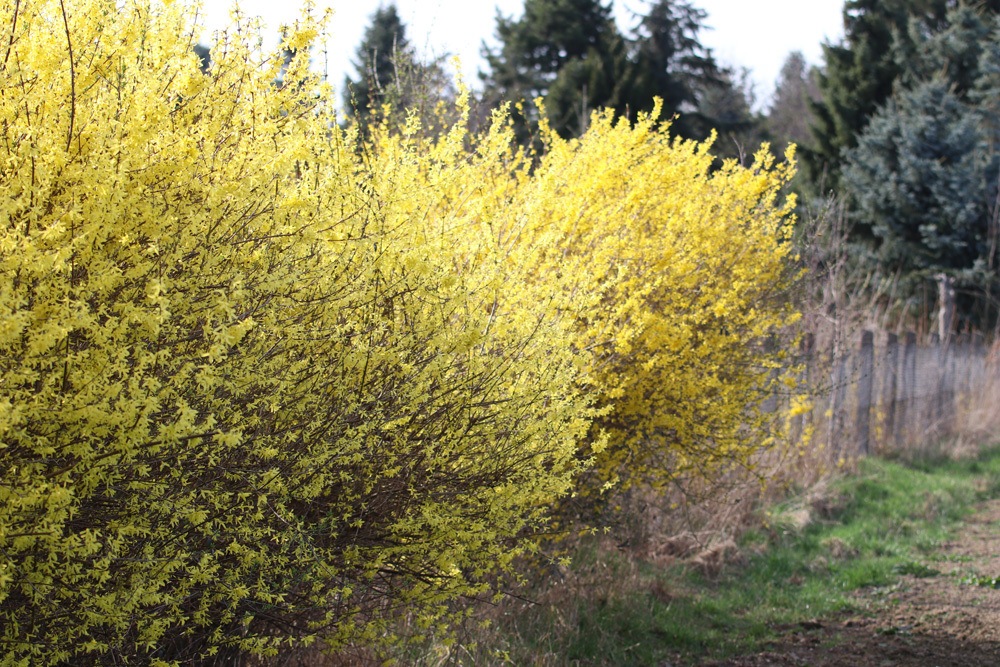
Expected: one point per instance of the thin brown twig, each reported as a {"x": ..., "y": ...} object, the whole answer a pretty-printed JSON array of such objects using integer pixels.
[
  {"x": 13, "y": 31},
  {"x": 72, "y": 77}
]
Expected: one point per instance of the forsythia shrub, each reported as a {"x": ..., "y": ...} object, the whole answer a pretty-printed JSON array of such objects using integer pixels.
[
  {"x": 262, "y": 382},
  {"x": 675, "y": 274},
  {"x": 256, "y": 386}
]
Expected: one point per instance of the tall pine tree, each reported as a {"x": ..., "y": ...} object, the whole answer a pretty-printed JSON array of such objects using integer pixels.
[
  {"x": 390, "y": 75},
  {"x": 570, "y": 48},
  {"x": 790, "y": 116},
  {"x": 668, "y": 61},
  {"x": 729, "y": 108},
  {"x": 572, "y": 53},
  {"x": 383, "y": 47},
  {"x": 917, "y": 182}
]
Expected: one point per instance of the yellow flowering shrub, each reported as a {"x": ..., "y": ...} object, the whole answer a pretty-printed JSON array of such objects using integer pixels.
[
  {"x": 265, "y": 382},
  {"x": 673, "y": 272},
  {"x": 256, "y": 385}
]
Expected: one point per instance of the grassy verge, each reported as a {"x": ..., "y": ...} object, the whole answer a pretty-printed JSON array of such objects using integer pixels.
[{"x": 804, "y": 562}]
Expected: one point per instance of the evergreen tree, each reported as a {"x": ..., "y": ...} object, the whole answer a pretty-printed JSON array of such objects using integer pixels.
[
  {"x": 986, "y": 97},
  {"x": 917, "y": 182},
  {"x": 985, "y": 93},
  {"x": 585, "y": 84},
  {"x": 382, "y": 46},
  {"x": 922, "y": 179},
  {"x": 953, "y": 52},
  {"x": 790, "y": 116},
  {"x": 729, "y": 106},
  {"x": 390, "y": 74},
  {"x": 569, "y": 47},
  {"x": 571, "y": 53},
  {"x": 668, "y": 61},
  {"x": 860, "y": 71}
]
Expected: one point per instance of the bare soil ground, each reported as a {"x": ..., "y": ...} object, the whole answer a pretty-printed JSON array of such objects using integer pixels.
[{"x": 947, "y": 620}]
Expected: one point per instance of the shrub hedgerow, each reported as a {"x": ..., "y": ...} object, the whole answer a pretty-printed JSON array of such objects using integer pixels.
[
  {"x": 265, "y": 381},
  {"x": 255, "y": 386}
]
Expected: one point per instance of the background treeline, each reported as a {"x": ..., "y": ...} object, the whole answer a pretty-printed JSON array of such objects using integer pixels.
[{"x": 572, "y": 54}]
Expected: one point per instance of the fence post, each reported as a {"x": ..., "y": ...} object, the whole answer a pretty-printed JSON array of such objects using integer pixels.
[
  {"x": 977, "y": 368},
  {"x": 907, "y": 408},
  {"x": 889, "y": 380},
  {"x": 960, "y": 373},
  {"x": 936, "y": 411},
  {"x": 866, "y": 364}
]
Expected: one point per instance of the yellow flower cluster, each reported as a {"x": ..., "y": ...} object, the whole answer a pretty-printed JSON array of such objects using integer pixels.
[
  {"x": 264, "y": 381},
  {"x": 675, "y": 272}
]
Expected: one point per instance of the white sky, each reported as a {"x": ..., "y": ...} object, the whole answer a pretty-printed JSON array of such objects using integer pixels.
[{"x": 758, "y": 34}]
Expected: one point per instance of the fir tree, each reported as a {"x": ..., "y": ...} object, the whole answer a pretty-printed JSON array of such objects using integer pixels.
[
  {"x": 382, "y": 46},
  {"x": 859, "y": 72},
  {"x": 571, "y": 53},
  {"x": 953, "y": 52},
  {"x": 790, "y": 116},
  {"x": 390, "y": 75},
  {"x": 569, "y": 47},
  {"x": 917, "y": 182},
  {"x": 729, "y": 108},
  {"x": 669, "y": 62},
  {"x": 922, "y": 179}
]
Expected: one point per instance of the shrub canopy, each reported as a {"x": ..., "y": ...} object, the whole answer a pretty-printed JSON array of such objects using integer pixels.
[{"x": 264, "y": 381}]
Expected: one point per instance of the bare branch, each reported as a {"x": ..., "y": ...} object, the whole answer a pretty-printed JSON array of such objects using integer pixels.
[{"x": 72, "y": 77}]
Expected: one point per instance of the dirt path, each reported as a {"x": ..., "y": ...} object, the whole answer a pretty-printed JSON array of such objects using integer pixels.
[{"x": 938, "y": 621}]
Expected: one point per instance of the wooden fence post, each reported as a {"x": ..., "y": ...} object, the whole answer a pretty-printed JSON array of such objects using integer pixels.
[
  {"x": 907, "y": 408},
  {"x": 977, "y": 370},
  {"x": 936, "y": 408},
  {"x": 960, "y": 373},
  {"x": 947, "y": 388},
  {"x": 889, "y": 381},
  {"x": 866, "y": 364}
]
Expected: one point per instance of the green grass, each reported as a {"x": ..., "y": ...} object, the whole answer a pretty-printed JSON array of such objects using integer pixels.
[{"x": 883, "y": 523}]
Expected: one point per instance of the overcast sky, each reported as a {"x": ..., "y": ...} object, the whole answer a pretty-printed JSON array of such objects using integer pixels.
[{"x": 758, "y": 34}]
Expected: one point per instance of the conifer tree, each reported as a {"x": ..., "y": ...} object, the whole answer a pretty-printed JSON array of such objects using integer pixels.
[
  {"x": 917, "y": 181},
  {"x": 791, "y": 115},
  {"x": 921, "y": 181},
  {"x": 729, "y": 109},
  {"x": 572, "y": 53},
  {"x": 391, "y": 76},
  {"x": 569, "y": 47},
  {"x": 669, "y": 62},
  {"x": 383, "y": 45},
  {"x": 952, "y": 52},
  {"x": 859, "y": 72}
]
